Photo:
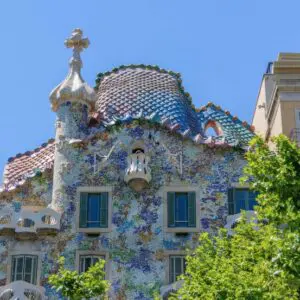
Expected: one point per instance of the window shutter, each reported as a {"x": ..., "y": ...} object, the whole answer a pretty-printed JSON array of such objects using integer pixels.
[
  {"x": 34, "y": 270},
  {"x": 83, "y": 210},
  {"x": 104, "y": 210},
  {"x": 13, "y": 269},
  {"x": 230, "y": 202},
  {"x": 171, "y": 270},
  {"x": 192, "y": 209},
  {"x": 171, "y": 209}
]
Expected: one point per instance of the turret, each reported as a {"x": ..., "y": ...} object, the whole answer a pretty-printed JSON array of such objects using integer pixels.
[{"x": 72, "y": 100}]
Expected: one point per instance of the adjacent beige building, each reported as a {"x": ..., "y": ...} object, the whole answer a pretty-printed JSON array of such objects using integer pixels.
[{"x": 277, "y": 108}]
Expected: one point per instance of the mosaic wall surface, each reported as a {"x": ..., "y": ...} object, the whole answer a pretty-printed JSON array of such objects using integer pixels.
[{"x": 137, "y": 242}]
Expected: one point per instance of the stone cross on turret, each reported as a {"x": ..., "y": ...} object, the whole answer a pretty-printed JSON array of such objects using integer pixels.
[
  {"x": 74, "y": 88},
  {"x": 76, "y": 42}
]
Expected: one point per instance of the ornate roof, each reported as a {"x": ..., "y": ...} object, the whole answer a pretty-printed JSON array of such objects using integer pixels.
[
  {"x": 233, "y": 130},
  {"x": 143, "y": 91},
  {"x": 28, "y": 164}
]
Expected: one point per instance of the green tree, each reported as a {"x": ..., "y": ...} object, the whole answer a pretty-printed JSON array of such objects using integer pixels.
[
  {"x": 260, "y": 261},
  {"x": 77, "y": 286}
]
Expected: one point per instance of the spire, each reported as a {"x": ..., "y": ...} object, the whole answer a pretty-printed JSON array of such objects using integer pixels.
[{"x": 74, "y": 88}]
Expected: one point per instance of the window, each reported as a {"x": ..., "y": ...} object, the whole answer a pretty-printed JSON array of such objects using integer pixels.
[
  {"x": 241, "y": 199},
  {"x": 176, "y": 267},
  {"x": 181, "y": 209},
  {"x": 213, "y": 128},
  {"x": 86, "y": 261},
  {"x": 24, "y": 267},
  {"x": 93, "y": 210}
]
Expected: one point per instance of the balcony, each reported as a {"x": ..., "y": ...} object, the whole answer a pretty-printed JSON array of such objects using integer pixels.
[
  {"x": 21, "y": 290},
  {"x": 232, "y": 220},
  {"x": 138, "y": 174},
  {"x": 28, "y": 224},
  {"x": 295, "y": 135}
]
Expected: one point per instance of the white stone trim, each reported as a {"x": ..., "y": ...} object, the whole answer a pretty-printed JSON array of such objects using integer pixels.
[
  {"x": 180, "y": 188},
  {"x": 95, "y": 253},
  {"x": 94, "y": 189},
  {"x": 28, "y": 252}
]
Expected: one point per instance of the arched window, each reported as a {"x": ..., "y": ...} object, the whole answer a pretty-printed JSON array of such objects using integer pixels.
[{"x": 213, "y": 128}]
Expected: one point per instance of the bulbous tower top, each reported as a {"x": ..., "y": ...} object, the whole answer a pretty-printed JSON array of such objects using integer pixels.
[{"x": 74, "y": 88}]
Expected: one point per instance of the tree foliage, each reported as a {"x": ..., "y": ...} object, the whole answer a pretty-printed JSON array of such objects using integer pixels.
[
  {"x": 77, "y": 286},
  {"x": 260, "y": 261}
]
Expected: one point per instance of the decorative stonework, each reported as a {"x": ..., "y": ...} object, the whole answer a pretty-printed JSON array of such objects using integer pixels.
[
  {"x": 74, "y": 88},
  {"x": 138, "y": 173},
  {"x": 23, "y": 291},
  {"x": 96, "y": 155},
  {"x": 28, "y": 221}
]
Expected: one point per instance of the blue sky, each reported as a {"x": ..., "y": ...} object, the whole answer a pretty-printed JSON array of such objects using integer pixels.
[{"x": 221, "y": 48}]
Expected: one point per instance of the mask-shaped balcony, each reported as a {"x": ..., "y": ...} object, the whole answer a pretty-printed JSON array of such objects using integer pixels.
[
  {"x": 22, "y": 290},
  {"x": 138, "y": 174},
  {"x": 28, "y": 224}
]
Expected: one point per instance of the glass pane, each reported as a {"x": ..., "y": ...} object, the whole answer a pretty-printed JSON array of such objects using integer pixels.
[
  {"x": 252, "y": 200},
  {"x": 20, "y": 261},
  {"x": 28, "y": 264},
  {"x": 81, "y": 264},
  {"x": 177, "y": 267},
  {"x": 88, "y": 263},
  {"x": 240, "y": 197},
  {"x": 93, "y": 218},
  {"x": 27, "y": 277},
  {"x": 95, "y": 259},
  {"x": 19, "y": 276},
  {"x": 171, "y": 270},
  {"x": 181, "y": 209}
]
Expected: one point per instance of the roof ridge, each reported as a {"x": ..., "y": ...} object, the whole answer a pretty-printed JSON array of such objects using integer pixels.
[{"x": 27, "y": 153}]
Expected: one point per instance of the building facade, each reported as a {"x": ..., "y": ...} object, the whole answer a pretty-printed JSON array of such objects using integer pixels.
[
  {"x": 134, "y": 175},
  {"x": 278, "y": 104}
]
